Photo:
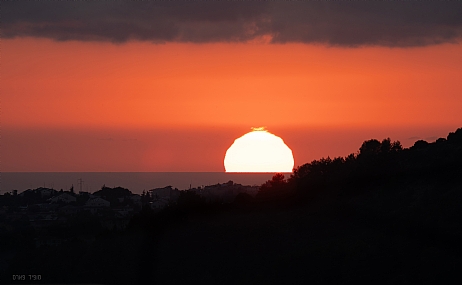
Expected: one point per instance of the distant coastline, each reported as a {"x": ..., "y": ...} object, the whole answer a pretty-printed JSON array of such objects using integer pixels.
[{"x": 134, "y": 181}]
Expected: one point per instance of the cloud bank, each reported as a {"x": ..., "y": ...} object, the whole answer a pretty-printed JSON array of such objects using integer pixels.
[{"x": 335, "y": 23}]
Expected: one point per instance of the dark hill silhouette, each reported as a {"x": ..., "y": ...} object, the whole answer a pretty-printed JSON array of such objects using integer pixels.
[
  {"x": 378, "y": 162},
  {"x": 383, "y": 215}
]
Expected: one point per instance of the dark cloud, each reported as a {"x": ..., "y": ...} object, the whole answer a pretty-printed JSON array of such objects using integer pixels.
[{"x": 342, "y": 23}]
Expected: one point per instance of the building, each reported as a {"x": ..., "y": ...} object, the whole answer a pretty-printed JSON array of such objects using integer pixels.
[
  {"x": 168, "y": 193},
  {"x": 46, "y": 192},
  {"x": 226, "y": 192},
  {"x": 95, "y": 204},
  {"x": 70, "y": 210},
  {"x": 98, "y": 203},
  {"x": 65, "y": 197},
  {"x": 122, "y": 212},
  {"x": 159, "y": 204},
  {"x": 136, "y": 199}
]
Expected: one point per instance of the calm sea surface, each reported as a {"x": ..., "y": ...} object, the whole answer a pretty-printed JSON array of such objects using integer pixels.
[{"x": 134, "y": 181}]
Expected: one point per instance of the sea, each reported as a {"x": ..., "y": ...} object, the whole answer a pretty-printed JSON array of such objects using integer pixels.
[{"x": 136, "y": 182}]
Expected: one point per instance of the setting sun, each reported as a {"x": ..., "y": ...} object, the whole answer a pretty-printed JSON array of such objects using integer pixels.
[{"x": 259, "y": 151}]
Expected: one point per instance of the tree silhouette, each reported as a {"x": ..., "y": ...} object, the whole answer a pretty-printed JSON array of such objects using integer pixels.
[
  {"x": 455, "y": 137},
  {"x": 277, "y": 180},
  {"x": 420, "y": 144},
  {"x": 385, "y": 146},
  {"x": 145, "y": 198},
  {"x": 370, "y": 147},
  {"x": 274, "y": 189},
  {"x": 396, "y": 146}
]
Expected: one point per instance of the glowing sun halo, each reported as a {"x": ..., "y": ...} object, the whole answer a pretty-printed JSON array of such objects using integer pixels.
[{"x": 259, "y": 151}]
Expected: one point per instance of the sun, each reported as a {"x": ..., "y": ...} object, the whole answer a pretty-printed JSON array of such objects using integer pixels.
[{"x": 259, "y": 151}]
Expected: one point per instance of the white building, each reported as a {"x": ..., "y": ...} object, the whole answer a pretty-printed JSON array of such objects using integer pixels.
[
  {"x": 122, "y": 212},
  {"x": 226, "y": 192},
  {"x": 136, "y": 199},
  {"x": 167, "y": 193},
  {"x": 159, "y": 204},
  {"x": 97, "y": 203},
  {"x": 45, "y": 192},
  {"x": 66, "y": 198}
]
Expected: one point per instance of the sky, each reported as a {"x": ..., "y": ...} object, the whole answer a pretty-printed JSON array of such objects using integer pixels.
[{"x": 168, "y": 86}]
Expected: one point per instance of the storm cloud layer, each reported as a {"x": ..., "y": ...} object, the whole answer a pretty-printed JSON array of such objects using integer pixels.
[{"x": 337, "y": 23}]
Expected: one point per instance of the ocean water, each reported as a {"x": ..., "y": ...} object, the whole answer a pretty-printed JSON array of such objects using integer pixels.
[{"x": 136, "y": 182}]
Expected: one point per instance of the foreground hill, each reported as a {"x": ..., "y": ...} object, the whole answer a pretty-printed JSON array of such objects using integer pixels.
[{"x": 384, "y": 215}]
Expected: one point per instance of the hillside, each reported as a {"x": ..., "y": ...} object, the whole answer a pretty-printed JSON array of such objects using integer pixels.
[{"x": 383, "y": 215}]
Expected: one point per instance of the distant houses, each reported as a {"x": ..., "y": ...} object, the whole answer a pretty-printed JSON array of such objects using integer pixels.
[
  {"x": 135, "y": 199},
  {"x": 108, "y": 208},
  {"x": 46, "y": 192},
  {"x": 70, "y": 210},
  {"x": 65, "y": 198},
  {"x": 159, "y": 204},
  {"x": 96, "y": 204},
  {"x": 162, "y": 197},
  {"x": 168, "y": 193},
  {"x": 226, "y": 192},
  {"x": 221, "y": 192}
]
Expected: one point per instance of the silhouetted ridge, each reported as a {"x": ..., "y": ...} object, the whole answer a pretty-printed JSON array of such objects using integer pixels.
[
  {"x": 383, "y": 213},
  {"x": 375, "y": 163},
  {"x": 456, "y": 137}
]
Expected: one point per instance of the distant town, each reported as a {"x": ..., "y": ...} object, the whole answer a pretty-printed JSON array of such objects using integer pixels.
[{"x": 59, "y": 216}]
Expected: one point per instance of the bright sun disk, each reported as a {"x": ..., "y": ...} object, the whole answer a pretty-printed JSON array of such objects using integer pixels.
[{"x": 259, "y": 151}]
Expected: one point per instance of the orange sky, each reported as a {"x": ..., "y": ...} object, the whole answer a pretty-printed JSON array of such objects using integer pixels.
[{"x": 79, "y": 106}]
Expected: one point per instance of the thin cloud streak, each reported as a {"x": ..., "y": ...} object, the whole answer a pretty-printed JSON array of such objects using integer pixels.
[{"x": 335, "y": 23}]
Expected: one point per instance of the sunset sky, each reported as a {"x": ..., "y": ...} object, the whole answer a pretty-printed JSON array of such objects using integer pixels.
[{"x": 168, "y": 86}]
